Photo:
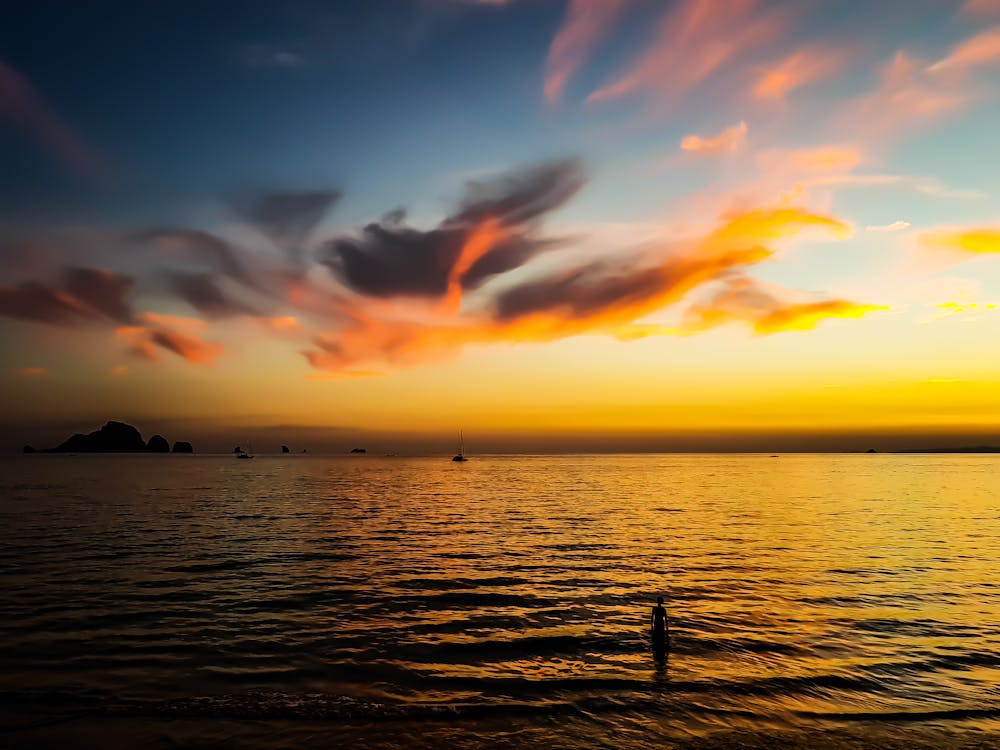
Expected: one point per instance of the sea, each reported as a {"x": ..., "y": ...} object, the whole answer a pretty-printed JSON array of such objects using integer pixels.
[{"x": 297, "y": 601}]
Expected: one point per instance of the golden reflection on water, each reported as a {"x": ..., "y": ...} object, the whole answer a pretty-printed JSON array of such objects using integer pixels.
[{"x": 803, "y": 587}]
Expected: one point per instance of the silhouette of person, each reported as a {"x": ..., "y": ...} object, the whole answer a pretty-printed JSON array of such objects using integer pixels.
[{"x": 658, "y": 623}]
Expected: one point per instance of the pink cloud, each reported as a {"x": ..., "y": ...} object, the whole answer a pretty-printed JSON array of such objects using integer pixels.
[
  {"x": 976, "y": 8},
  {"x": 696, "y": 39},
  {"x": 808, "y": 161},
  {"x": 976, "y": 51},
  {"x": 728, "y": 141},
  {"x": 801, "y": 68},
  {"x": 586, "y": 22},
  {"x": 907, "y": 95},
  {"x": 23, "y": 106}
]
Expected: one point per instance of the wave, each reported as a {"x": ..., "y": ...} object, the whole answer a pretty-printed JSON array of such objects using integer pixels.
[{"x": 944, "y": 714}]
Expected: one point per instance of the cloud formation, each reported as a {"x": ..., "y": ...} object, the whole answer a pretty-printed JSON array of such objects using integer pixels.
[
  {"x": 980, "y": 8},
  {"x": 390, "y": 259},
  {"x": 696, "y": 39},
  {"x": 766, "y": 309},
  {"x": 596, "y": 296},
  {"x": 729, "y": 141},
  {"x": 978, "y": 50},
  {"x": 803, "y": 67},
  {"x": 22, "y": 106},
  {"x": 896, "y": 226},
  {"x": 984, "y": 240},
  {"x": 81, "y": 295},
  {"x": 586, "y": 22},
  {"x": 165, "y": 332},
  {"x": 287, "y": 218},
  {"x": 204, "y": 293}
]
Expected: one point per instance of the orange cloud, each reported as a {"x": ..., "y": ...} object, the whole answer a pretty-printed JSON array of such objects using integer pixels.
[
  {"x": 804, "y": 162},
  {"x": 585, "y": 23},
  {"x": 119, "y": 371},
  {"x": 164, "y": 320},
  {"x": 826, "y": 159},
  {"x": 281, "y": 323},
  {"x": 484, "y": 237},
  {"x": 596, "y": 297},
  {"x": 766, "y": 308},
  {"x": 801, "y": 68},
  {"x": 696, "y": 40},
  {"x": 729, "y": 141},
  {"x": 30, "y": 372},
  {"x": 145, "y": 340},
  {"x": 984, "y": 240},
  {"x": 806, "y": 316}
]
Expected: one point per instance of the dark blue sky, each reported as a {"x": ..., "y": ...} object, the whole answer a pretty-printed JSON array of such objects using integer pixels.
[{"x": 182, "y": 101}]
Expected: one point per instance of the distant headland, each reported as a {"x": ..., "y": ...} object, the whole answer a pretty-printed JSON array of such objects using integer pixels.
[{"x": 115, "y": 437}]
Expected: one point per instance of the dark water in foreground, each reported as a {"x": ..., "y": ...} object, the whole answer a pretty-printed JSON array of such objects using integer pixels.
[{"x": 816, "y": 601}]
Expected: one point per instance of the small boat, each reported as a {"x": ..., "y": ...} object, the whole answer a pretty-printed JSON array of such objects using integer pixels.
[
  {"x": 246, "y": 453},
  {"x": 460, "y": 456}
]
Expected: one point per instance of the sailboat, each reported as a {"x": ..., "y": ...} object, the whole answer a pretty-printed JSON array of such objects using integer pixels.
[{"x": 460, "y": 456}]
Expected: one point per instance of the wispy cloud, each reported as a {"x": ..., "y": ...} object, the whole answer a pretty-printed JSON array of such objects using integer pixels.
[
  {"x": 23, "y": 107},
  {"x": 30, "y": 372},
  {"x": 274, "y": 56},
  {"x": 810, "y": 161},
  {"x": 976, "y": 51},
  {"x": 805, "y": 66},
  {"x": 728, "y": 141},
  {"x": 80, "y": 295},
  {"x": 896, "y": 226},
  {"x": 586, "y": 22},
  {"x": 767, "y": 309},
  {"x": 696, "y": 39},
  {"x": 913, "y": 93}
]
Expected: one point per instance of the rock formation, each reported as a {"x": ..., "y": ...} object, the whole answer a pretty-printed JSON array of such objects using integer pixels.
[
  {"x": 113, "y": 437},
  {"x": 158, "y": 444}
]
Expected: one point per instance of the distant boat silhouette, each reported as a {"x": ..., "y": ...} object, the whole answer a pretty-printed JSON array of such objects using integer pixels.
[
  {"x": 246, "y": 453},
  {"x": 460, "y": 456}
]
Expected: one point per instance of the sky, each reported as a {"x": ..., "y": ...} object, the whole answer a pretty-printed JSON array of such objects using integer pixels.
[{"x": 555, "y": 225}]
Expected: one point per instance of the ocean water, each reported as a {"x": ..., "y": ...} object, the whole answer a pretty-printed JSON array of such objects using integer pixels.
[{"x": 300, "y": 601}]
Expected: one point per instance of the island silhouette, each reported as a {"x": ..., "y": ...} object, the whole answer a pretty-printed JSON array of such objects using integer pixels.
[{"x": 115, "y": 437}]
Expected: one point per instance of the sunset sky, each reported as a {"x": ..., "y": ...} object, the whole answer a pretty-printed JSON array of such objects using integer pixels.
[{"x": 582, "y": 225}]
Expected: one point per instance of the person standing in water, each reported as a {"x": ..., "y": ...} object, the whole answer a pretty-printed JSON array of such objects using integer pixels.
[{"x": 658, "y": 623}]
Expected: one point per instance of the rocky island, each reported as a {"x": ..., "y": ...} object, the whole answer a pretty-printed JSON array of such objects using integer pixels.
[{"x": 115, "y": 437}]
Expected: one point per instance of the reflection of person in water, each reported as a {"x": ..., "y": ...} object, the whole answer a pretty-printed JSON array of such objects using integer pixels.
[{"x": 658, "y": 623}]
